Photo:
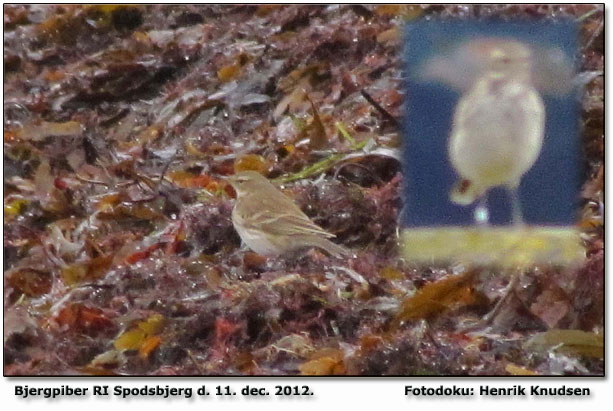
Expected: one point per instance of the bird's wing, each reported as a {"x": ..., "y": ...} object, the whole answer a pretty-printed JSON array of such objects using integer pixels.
[
  {"x": 278, "y": 214},
  {"x": 287, "y": 224}
]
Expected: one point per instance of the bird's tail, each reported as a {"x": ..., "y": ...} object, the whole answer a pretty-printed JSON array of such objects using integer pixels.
[
  {"x": 328, "y": 246},
  {"x": 464, "y": 192}
]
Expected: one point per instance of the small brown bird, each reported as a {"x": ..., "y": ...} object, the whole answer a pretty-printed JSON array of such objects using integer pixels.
[{"x": 270, "y": 223}]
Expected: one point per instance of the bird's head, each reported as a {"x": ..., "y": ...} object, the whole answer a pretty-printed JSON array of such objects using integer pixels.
[
  {"x": 502, "y": 57},
  {"x": 461, "y": 65},
  {"x": 248, "y": 182}
]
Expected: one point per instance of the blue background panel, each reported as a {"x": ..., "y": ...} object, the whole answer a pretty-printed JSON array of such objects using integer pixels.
[{"x": 548, "y": 191}]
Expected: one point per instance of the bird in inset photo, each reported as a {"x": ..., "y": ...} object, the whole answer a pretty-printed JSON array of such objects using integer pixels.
[{"x": 498, "y": 125}]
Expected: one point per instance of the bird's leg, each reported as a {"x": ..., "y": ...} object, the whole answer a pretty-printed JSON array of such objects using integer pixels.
[
  {"x": 481, "y": 213},
  {"x": 517, "y": 216}
]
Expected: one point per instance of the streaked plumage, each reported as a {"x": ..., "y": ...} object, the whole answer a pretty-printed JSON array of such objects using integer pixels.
[{"x": 270, "y": 223}]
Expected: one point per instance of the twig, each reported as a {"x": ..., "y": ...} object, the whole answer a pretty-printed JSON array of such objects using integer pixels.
[
  {"x": 341, "y": 128},
  {"x": 93, "y": 245},
  {"x": 587, "y": 15},
  {"x": 594, "y": 35},
  {"x": 380, "y": 109},
  {"x": 85, "y": 180},
  {"x": 319, "y": 167},
  {"x": 193, "y": 360},
  {"x": 164, "y": 170}
]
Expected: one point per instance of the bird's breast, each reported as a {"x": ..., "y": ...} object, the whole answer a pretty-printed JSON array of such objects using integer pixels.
[{"x": 497, "y": 133}]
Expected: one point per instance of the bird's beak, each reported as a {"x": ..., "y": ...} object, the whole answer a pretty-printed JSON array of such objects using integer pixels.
[{"x": 228, "y": 179}]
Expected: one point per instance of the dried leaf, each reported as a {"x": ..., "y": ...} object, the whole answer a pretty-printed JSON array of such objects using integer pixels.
[
  {"x": 254, "y": 261},
  {"x": 140, "y": 337},
  {"x": 371, "y": 341},
  {"x": 97, "y": 371},
  {"x": 40, "y": 130},
  {"x": 74, "y": 273},
  {"x": 322, "y": 366},
  {"x": 301, "y": 76},
  {"x": 139, "y": 211},
  {"x": 130, "y": 340},
  {"x": 229, "y": 72},
  {"x": 106, "y": 360},
  {"x": 189, "y": 180},
  {"x": 79, "y": 317},
  {"x": 406, "y": 11},
  {"x": 14, "y": 207},
  {"x": 252, "y": 162},
  {"x": 517, "y": 370},
  {"x": 266, "y": 9},
  {"x": 107, "y": 202},
  {"x": 213, "y": 277},
  {"x": 32, "y": 283},
  {"x": 391, "y": 273},
  {"x": 328, "y": 361},
  {"x": 224, "y": 328},
  {"x": 43, "y": 181},
  {"x": 147, "y": 347},
  {"x": 191, "y": 149},
  {"x": 390, "y": 37},
  {"x": 244, "y": 362},
  {"x": 86, "y": 271},
  {"x": 292, "y": 99},
  {"x": 148, "y": 135},
  {"x": 294, "y": 344},
  {"x": 551, "y": 306},
  {"x": 316, "y": 130},
  {"x": 10, "y": 137},
  {"x": 142, "y": 254},
  {"x": 451, "y": 292},
  {"x": 153, "y": 324}
]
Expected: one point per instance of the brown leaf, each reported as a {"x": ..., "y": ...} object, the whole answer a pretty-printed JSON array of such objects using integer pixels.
[
  {"x": 43, "y": 181},
  {"x": 390, "y": 37},
  {"x": 328, "y": 361},
  {"x": 229, "y": 72},
  {"x": 79, "y": 317},
  {"x": 517, "y": 370},
  {"x": 139, "y": 211},
  {"x": 317, "y": 131},
  {"x": 253, "y": 162},
  {"x": 391, "y": 273},
  {"x": 254, "y": 261},
  {"x": 449, "y": 293},
  {"x": 551, "y": 306},
  {"x": 148, "y": 346},
  {"x": 407, "y": 11},
  {"x": 86, "y": 271},
  {"x": 32, "y": 283},
  {"x": 38, "y": 131}
]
